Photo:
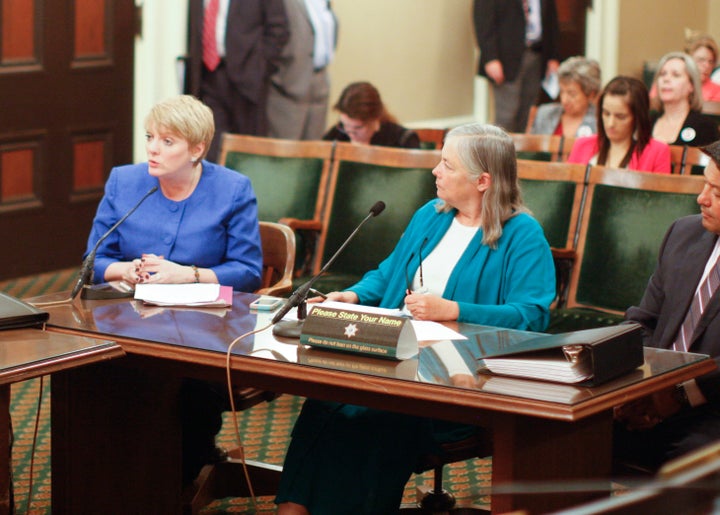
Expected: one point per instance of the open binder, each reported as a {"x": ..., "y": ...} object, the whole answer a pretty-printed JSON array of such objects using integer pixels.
[
  {"x": 15, "y": 313},
  {"x": 588, "y": 357}
]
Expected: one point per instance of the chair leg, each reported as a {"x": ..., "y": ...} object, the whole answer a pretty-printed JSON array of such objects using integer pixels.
[{"x": 437, "y": 499}]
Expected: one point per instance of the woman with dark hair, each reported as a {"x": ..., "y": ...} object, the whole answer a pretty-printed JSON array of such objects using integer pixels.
[
  {"x": 364, "y": 119},
  {"x": 485, "y": 260},
  {"x": 624, "y": 138}
]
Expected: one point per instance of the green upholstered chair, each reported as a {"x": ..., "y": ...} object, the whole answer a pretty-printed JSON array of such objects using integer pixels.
[
  {"x": 290, "y": 180},
  {"x": 361, "y": 175},
  {"x": 539, "y": 147},
  {"x": 622, "y": 225},
  {"x": 554, "y": 193}
]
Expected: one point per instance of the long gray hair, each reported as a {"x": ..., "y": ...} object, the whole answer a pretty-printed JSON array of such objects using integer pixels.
[{"x": 488, "y": 149}]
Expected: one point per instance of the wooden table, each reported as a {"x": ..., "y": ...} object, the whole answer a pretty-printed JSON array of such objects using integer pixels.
[
  {"x": 29, "y": 353},
  {"x": 116, "y": 432}
]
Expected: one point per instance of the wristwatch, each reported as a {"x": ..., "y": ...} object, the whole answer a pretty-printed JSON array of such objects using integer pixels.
[{"x": 681, "y": 397}]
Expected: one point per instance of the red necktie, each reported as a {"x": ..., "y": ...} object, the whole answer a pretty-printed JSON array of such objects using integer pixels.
[
  {"x": 700, "y": 300},
  {"x": 211, "y": 57}
]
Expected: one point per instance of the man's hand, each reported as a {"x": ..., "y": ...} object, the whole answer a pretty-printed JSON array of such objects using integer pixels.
[{"x": 494, "y": 70}]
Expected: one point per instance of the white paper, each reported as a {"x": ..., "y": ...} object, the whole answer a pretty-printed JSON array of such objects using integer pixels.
[
  {"x": 551, "y": 85},
  {"x": 174, "y": 294}
]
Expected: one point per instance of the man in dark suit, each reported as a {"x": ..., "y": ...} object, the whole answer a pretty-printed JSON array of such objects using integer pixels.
[
  {"x": 682, "y": 418},
  {"x": 518, "y": 42},
  {"x": 251, "y": 37}
]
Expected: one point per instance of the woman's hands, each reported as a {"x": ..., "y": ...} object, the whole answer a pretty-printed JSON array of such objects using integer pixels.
[
  {"x": 425, "y": 306},
  {"x": 337, "y": 296},
  {"x": 153, "y": 269}
]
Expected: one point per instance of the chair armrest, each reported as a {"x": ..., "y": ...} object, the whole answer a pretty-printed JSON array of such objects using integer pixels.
[
  {"x": 301, "y": 225},
  {"x": 277, "y": 290}
]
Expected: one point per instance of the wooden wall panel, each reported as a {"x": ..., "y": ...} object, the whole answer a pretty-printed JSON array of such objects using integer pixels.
[
  {"x": 91, "y": 34},
  {"x": 18, "y": 31},
  {"x": 90, "y": 163},
  {"x": 17, "y": 170}
]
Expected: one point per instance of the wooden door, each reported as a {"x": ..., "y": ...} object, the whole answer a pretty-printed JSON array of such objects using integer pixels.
[
  {"x": 572, "y": 16},
  {"x": 66, "y": 82}
]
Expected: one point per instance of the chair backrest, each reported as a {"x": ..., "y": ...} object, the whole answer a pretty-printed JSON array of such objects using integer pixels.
[
  {"x": 687, "y": 160},
  {"x": 537, "y": 147},
  {"x": 278, "y": 247},
  {"x": 362, "y": 175},
  {"x": 554, "y": 194},
  {"x": 712, "y": 109},
  {"x": 431, "y": 139},
  {"x": 625, "y": 218},
  {"x": 289, "y": 177}
]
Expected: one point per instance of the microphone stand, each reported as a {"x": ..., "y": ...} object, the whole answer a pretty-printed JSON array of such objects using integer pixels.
[
  {"x": 103, "y": 291},
  {"x": 293, "y": 328}
]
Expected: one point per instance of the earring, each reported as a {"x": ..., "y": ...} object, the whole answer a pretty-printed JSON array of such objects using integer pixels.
[{"x": 193, "y": 160}]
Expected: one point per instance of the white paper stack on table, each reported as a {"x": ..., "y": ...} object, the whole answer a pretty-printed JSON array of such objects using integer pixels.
[{"x": 193, "y": 294}]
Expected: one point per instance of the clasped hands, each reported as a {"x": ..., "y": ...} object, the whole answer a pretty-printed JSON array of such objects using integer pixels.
[
  {"x": 422, "y": 306},
  {"x": 153, "y": 269},
  {"x": 647, "y": 412}
]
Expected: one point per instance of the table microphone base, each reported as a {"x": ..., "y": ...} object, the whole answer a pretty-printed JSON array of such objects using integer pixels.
[{"x": 288, "y": 328}]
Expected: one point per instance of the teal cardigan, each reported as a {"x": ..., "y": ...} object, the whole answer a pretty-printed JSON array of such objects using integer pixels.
[{"x": 510, "y": 286}]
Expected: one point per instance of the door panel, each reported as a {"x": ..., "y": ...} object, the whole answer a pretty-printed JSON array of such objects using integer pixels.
[{"x": 66, "y": 77}]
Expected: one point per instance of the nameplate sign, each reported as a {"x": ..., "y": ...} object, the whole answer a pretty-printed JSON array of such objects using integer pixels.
[{"x": 360, "y": 332}]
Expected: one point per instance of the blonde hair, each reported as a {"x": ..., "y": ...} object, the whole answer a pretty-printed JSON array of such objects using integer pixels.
[
  {"x": 184, "y": 116},
  {"x": 695, "y": 99},
  {"x": 488, "y": 149},
  {"x": 695, "y": 40}
]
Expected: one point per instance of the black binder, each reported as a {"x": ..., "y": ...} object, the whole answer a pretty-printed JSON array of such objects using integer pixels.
[
  {"x": 588, "y": 357},
  {"x": 15, "y": 313}
]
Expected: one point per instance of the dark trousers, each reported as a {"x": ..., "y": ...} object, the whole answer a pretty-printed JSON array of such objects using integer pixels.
[
  {"x": 233, "y": 112},
  {"x": 682, "y": 433}
]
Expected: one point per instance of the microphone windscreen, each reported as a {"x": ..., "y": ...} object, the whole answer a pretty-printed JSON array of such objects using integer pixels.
[{"x": 377, "y": 208}]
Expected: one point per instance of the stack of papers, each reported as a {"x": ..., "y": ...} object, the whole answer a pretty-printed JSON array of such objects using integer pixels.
[{"x": 193, "y": 294}]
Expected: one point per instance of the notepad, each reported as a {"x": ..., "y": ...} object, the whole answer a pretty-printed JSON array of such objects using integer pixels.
[{"x": 193, "y": 294}]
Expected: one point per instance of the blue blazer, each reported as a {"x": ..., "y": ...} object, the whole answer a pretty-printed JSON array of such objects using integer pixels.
[{"x": 216, "y": 227}]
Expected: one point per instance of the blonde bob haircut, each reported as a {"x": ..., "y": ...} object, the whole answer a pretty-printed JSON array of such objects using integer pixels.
[
  {"x": 695, "y": 99},
  {"x": 488, "y": 149},
  {"x": 186, "y": 117}
]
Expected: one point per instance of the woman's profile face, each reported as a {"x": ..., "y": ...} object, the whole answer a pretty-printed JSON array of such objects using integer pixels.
[
  {"x": 454, "y": 185},
  {"x": 673, "y": 82},
  {"x": 167, "y": 153},
  {"x": 705, "y": 60},
  {"x": 618, "y": 119},
  {"x": 572, "y": 98}
]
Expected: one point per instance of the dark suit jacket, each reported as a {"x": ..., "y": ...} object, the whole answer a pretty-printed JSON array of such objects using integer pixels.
[
  {"x": 256, "y": 32},
  {"x": 683, "y": 256},
  {"x": 500, "y": 33}
]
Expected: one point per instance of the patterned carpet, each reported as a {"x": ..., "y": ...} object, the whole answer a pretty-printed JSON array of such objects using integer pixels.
[{"x": 265, "y": 429}]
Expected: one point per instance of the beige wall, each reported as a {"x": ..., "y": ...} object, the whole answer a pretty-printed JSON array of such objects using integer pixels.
[
  {"x": 420, "y": 54},
  {"x": 648, "y": 29}
]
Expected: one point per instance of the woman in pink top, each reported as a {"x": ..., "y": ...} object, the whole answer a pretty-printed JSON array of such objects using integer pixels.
[{"x": 624, "y": 137}]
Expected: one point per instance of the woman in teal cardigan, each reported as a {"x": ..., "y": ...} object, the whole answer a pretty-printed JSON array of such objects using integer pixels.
[{"x": 485, "y": 260}]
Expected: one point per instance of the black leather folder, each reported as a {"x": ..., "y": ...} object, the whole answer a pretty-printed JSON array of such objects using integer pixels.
[
  {"x": 15, "y": 313},
  {"x": 588, "y": 357}
]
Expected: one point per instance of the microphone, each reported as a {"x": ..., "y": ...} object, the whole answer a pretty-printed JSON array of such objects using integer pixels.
[
  {"x": 292, "y": 328},
  {"x": 86, "y": 270}
]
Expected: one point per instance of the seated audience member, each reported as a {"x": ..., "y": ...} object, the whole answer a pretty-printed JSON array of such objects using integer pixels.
[
  {"x": 704, "y": 51},
  {"x": 684, "y": 417},
  {"x": 679, "y": 121},
  {"x": 485, "y": 260},
  {"x": 200, "y": 226},
  {"x": 364, "y": 119},
  {"x": 624, "y": 139},
  {"x": 575, "y": 114}
]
